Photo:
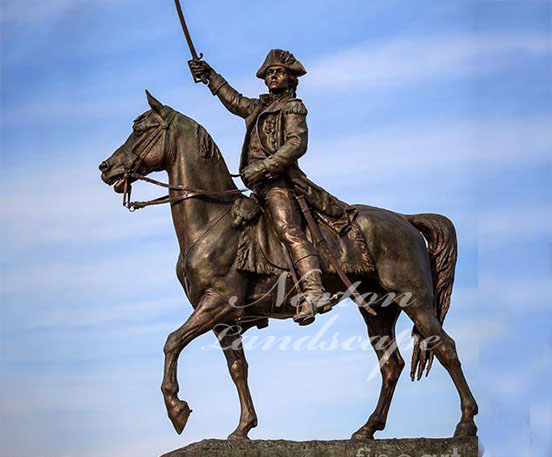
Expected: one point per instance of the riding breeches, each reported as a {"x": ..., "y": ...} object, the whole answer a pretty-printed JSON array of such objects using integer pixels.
[{"x": 280, "y": 203}]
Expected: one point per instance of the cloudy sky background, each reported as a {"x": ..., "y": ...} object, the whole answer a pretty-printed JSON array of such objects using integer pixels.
[{"x": 417, "y": 106}]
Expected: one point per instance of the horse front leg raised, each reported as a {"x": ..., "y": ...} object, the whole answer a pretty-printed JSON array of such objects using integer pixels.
[
  {"x": 212, "y": 310},
  {"x": 230, "y": 339}
]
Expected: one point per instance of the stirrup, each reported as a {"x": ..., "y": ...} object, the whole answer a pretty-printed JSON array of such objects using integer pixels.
[
  {"x": 327, "y": 303},
  {"x": 324, "y": 308}
]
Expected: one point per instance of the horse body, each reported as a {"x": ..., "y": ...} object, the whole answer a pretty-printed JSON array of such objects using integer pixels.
[{"x": 220, "y": 294}]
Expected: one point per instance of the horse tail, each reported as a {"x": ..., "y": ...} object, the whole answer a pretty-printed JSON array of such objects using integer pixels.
[{"x": 442, "y": 248}]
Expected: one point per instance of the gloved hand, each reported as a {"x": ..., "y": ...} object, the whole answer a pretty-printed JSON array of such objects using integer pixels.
[
  {"x": 272, "y": 167},
  {"x": 253, "y": 174},
  {"x": 200, "y": 68}
]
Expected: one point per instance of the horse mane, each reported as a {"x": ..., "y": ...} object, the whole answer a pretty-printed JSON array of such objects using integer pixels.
[{"x": 206, "y": 147}]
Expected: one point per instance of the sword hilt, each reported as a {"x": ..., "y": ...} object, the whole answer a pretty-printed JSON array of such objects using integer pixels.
[{"x": 202, "y": 79}]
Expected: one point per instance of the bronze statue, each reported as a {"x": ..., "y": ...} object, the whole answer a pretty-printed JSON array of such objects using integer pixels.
[
  {"x": 231, "y": 254},
  {"x": 276, "y": 137},
  {"x": 235, "y": 249}
]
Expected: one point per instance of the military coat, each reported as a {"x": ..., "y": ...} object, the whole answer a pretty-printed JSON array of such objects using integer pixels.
[{"x": 277, "y": 134}]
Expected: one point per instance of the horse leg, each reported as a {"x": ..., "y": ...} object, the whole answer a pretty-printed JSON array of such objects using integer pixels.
[
  {"x": 231, "y": 343},
  {"x": 381, "y": 329},
  {"x": 422, "y": 314},
  {"x": 212, "y": 310}
]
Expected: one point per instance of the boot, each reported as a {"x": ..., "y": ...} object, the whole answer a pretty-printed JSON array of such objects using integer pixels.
[{"x": 315, "y": 298}]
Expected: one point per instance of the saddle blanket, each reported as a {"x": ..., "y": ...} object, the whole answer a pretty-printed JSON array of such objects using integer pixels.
[{"x": 260, "y": 251}]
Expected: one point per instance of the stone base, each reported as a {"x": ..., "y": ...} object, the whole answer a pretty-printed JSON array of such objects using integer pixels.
[{"x": 420, "y": 447}]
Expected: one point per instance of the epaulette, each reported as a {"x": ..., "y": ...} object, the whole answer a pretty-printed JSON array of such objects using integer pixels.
[
  {"x": 255, "y": 103},
  {"x": 295, "y": 106}
]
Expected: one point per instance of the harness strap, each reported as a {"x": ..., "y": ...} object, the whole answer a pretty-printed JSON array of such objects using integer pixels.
[
  {"x": 202, "y": 234},
  {"x": 187, "y": 189},
  {"x": 161, "y": 132},
  {"x": 189, "y": 192}
]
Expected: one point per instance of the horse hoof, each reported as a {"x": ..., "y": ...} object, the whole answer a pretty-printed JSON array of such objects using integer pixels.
[
  {"x": 464, "y": 429},
  {"x": 362, "y": 435},
  {"x": 238, "y": 436},
  {"x": 179, "y": 416}
]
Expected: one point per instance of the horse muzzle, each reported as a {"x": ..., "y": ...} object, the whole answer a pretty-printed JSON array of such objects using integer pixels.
[
  {"x": 119, "y": 185},
  {"x": 117, "y": 180}
]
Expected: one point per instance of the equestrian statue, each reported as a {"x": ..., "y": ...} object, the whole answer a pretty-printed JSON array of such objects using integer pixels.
[
  {"x": 235, "y": 249},
  {"x": 291, "y": 249}
]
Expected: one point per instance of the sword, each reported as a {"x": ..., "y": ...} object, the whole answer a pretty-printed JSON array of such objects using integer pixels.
[{"x": 195, "y": 56}]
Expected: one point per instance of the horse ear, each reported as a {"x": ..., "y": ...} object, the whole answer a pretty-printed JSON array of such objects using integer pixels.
[{"x": 155, "y": 104}]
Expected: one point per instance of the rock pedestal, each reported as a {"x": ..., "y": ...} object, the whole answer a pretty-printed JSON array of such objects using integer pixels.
[{"x": 420, "y": 447}]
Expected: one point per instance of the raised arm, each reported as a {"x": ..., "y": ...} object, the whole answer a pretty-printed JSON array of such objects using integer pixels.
[{"x": 235, "y": 102}]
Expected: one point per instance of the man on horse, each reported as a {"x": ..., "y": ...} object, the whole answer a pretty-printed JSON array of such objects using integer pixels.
[{"x": 276, "y": 137}]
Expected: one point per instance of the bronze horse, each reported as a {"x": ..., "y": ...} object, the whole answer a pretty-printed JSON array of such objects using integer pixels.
[{"x": 201, "y": 192}]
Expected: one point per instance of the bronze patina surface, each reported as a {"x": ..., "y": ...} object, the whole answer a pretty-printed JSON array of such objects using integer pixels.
[{"x": 410, "y": 254}]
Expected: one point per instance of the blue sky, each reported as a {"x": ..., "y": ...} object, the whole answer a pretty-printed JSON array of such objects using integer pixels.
[{"x": 416, "y": 106}]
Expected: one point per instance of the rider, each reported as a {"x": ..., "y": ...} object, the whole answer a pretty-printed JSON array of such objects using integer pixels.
[{"x": 276, "y": 137}]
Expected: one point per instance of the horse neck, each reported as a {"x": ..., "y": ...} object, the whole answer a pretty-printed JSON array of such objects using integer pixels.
[{"x": 196, "y": 164}]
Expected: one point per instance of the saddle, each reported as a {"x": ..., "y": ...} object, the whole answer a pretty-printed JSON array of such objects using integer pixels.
[{"x": 260, "y": 251}]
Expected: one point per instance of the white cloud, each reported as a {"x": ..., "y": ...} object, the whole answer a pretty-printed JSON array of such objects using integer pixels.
[
  {"x": 146, "y": 312},
  {"x": 72, "y": 205},
  {"x": 541, "y": 416},
  {"x": 519, "y": 296},
  {"x": 420, "y": 167},
  {"x": 29, "y": 11},
  {"x": 479, "y": 332},
  {"x": 487, "y": 145},
  {"x": 46, "y": 207},
  {"x": 406, "y": 61},
  {"x": 110, "y": 273},
  {"x": 515, "y": 224},
  {"x": 494, "y": 293}
]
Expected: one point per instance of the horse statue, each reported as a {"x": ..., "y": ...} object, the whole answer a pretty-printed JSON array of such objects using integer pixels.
[{"x": 412, "y": 254}]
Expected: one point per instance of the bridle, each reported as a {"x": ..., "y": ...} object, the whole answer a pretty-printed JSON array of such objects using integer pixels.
[{"x": 131, "y": 172}]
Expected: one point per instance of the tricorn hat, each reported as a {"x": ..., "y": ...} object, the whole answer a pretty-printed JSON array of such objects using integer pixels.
[{"x": 284, "y": 59}]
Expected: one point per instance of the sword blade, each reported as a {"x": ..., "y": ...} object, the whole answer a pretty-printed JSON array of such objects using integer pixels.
[{"x": 185, "y": 30}]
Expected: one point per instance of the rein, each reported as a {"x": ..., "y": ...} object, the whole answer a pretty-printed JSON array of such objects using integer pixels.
[{"x": 188, "y": 192}]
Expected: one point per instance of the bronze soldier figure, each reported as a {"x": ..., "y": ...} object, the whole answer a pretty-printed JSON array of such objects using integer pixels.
[{"x": 276, "y": 136}]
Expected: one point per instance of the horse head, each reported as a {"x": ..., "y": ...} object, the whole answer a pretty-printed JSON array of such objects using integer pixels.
[{"x": 144, "y": 151}]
